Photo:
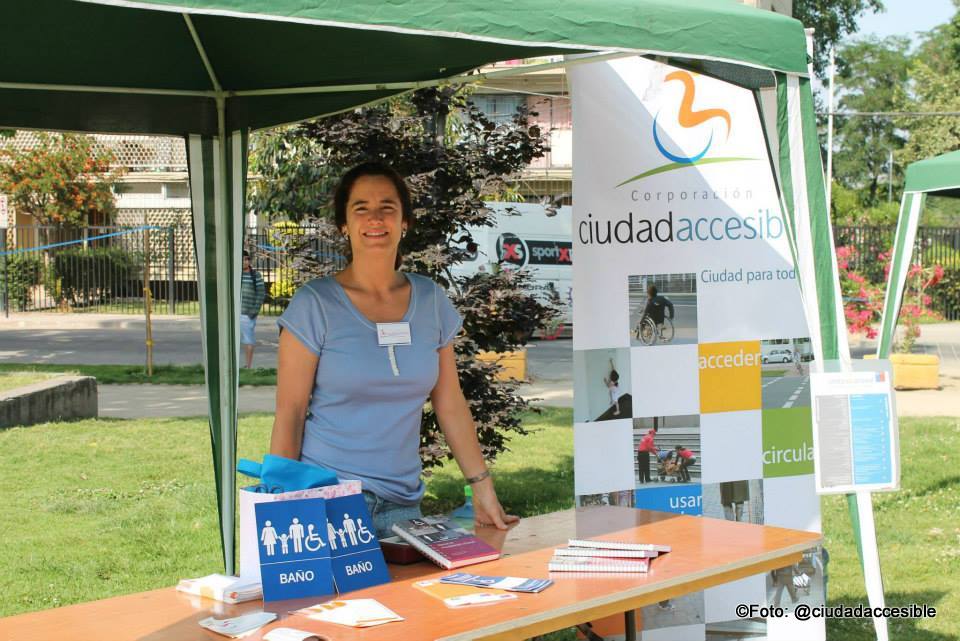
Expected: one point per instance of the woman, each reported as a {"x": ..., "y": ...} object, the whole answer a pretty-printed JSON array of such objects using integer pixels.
[
  {"x": 613, "y": 388},
  {"x": 359, "y": 354},
  {"x": 685, "y": 458}
]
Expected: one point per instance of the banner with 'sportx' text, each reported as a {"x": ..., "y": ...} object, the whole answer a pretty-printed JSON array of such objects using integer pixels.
[{"x": 691, "y": 353}]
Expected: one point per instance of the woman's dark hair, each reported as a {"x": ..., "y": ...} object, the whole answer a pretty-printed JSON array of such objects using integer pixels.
[
  {"x": 342, "y": 194},
  {"x": 614, "y": 376}
]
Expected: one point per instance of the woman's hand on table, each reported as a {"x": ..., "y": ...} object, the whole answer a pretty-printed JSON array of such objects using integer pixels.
[{"x": 486, "y": 506}]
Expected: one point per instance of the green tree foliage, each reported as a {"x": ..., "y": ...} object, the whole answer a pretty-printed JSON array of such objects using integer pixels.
[
  {"x": 832, "y": 21},
  {"x": 454, "y": 158},
  {"x": 941, "y": 211},
  {"x": 290, "y": 178},
  {"x": 872, "y": 77},
  {"x": 94, "y": 275},
  {"x": 886, "y": 76},
  {"x": 20, "y": 273},
  {"x": 62, "y": 180},
  {"x": 935, "y": 86},
  {"x": 846, "y": 209}
]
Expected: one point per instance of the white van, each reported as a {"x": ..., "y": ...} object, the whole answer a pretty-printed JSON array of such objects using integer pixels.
[{"x": 527, "y": 238}]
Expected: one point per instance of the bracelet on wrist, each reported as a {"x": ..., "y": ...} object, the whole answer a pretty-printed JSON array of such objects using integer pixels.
[{"x": 479, "y": 477}]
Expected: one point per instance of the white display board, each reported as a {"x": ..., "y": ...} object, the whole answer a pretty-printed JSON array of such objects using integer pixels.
[
  {"x": 673, "y": 188},
  {"x": 854, "y": 432}
]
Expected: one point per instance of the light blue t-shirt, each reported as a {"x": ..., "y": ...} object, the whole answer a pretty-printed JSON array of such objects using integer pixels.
[{"x": 363, "y": 421}]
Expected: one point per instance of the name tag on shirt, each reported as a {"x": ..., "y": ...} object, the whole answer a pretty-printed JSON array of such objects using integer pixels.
[{"x": 393, "y": 333}]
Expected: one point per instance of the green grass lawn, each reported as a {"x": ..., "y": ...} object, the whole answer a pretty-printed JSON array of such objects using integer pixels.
[
  {"x": 135, "y": 374},
  {"x": 107, "y": 507},
  {"x": 13, "y": 380},
  {"x": 918, "y": 529}
]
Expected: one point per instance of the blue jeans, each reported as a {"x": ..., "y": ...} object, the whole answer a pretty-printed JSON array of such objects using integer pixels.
[{"x": 385, "y": 513}]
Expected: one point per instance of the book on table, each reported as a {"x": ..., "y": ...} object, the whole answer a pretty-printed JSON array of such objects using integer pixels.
[
  {"x": 607, "y": 554},
  {"x": 443, "y": 542},
  {"x": 593, "y": 564},
  {"x": 586, "y": 555},
  {"x": 617, "y": 545}
]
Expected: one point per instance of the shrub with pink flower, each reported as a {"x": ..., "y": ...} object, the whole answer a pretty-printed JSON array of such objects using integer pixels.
[{"x": 863, "y": 300}]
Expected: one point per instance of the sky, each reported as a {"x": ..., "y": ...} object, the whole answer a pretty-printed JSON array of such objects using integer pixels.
[{"x": 906, "y": 18}]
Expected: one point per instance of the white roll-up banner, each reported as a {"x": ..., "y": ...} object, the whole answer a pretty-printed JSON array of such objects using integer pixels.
[{"x": 707, "y": 413}]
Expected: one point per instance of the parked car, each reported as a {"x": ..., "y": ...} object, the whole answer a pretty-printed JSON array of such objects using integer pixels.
[{"x": 778, "y": 356}]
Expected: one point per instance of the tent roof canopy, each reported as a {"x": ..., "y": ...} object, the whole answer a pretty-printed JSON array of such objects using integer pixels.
[
  {"x": 157, "y": 66},
  {"x": 939, "y": 176}
]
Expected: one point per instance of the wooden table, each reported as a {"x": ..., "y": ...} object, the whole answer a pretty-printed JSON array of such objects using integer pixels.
[{"x": 706, "y": 552}]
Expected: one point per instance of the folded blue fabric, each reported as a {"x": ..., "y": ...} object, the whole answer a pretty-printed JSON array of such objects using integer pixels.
[{"x": 280, "y": 474}]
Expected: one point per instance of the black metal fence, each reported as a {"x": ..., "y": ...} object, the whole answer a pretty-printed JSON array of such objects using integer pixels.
[
  {"x": 108, "y": 269},
  {"x": 101, "y": 269},
  {"x": 933, "y": 246},
  {"x": 105, "y": 269},
  {"x": 275, "y": 252}
]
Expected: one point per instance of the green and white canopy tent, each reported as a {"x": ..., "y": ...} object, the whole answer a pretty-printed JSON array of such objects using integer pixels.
[
  {"x": 939, "y": 176},
  {"x": 212, "y": 70}
]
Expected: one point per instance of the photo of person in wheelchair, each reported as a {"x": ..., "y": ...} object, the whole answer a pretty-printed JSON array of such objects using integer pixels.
[{"x": 655, "y": 322}]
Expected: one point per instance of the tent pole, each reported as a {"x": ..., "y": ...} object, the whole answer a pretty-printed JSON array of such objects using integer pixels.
[
  {"x": 34, "y": 86},
  {"x": 830, "y": 94},
  {"x": 910, "y": 207},
  {"x": 209, "y": 67},
  {"x": 227, "y": 291},
  {"x": 466, "y": 78},
  {"x": 219, "y": 92}
]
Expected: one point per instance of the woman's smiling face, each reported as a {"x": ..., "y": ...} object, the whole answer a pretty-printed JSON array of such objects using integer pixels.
[{"x": 374, "y": 215}]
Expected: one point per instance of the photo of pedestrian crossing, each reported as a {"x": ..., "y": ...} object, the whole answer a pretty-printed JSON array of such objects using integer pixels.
[{"x": 785, "y": 364}]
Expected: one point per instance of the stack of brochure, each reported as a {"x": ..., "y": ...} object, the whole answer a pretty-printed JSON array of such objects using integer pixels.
[
  {"x": 509, "y": 583},
  {"x": 222, "y": 587},
  {"x": 583, "y": 555},
  {"x": 238, "y": 627},
  {"x": 357, "y": 613}
]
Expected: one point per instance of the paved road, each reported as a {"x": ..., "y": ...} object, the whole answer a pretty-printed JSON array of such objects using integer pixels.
[
  {"x": 110, "y": 339},
  {"x": 549, "y": 368},
  {"x": 53, "y": 338},
  {"x": 121, "y": 342},
  {"x": 786, "y": 391}
]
